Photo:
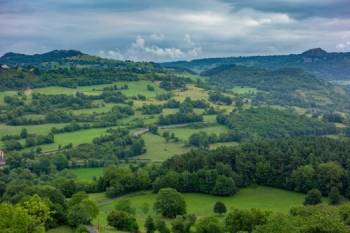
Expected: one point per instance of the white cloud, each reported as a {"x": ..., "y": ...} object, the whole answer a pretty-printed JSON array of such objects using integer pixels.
[
  {"x": 157, "y": 36},
  {"x": 141, "y": 50},
  {"x": 111, "y": 54},
  {"x": 156, "y": 52},
  {"x": 343, "y": 46}
]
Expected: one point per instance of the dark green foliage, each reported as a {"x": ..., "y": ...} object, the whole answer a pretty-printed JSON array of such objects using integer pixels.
[
  {"x": 298, "y": 163},
  {"x": 162, "y": 227},
  {"x": 151, "y": 109},
  {"x": 224, "y": 186},
  {"x": 153, "y": 129},
  {"x": 180, "y": 118},
  {"x": 81, "y": 229},
  {"x": 183, "y": 224},
  {"x": 330, "y": 66},
  {"x": 202, "y": 181},
  {"x": 245, "y": 220},
  {"x": 81, "y": 210},
  {"x": 220, "y": 98},
  {"x": 334, "y": 196},
  {"x": 117, "y": 181},
  {"x": 320, "y": 218},
  {"x": 72, "y": 75},
  {"x": 125, "y": 205},
  {"x": 287, "y": 86},
  {"x": 303, "y": 178},
  {"x": 219, "y": 208},
  {"x": 333, "y": 117},
  {"x": 122, "y": 143},
  {"x": 271, "y": 123},
  {"x": 209, "y": 225},
  {"x": 170, "y": 203},
  {"x": 122, "y": 221},
  {"x": 52, "y": 56},
  {"x": 330, "y": 175},
  {"x": 172, "y": 83},
  {"x": 200, "y": 139},
  {"x": 150, "y": 225},
  {"x": 313, "y": 197}
]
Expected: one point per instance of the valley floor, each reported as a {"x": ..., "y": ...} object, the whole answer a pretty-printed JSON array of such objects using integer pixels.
[{"x": 260, "y": 197}]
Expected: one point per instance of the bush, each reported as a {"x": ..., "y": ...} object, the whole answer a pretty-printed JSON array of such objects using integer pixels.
[
  {"x": 149, "y": 225},
  {"x": 209, "y": 225},
  {"x": 219, "y": 208},
  {"x": 122, "y": 221},
  {"x": 313, "y": 197},
  {"x": 161, "y": 227},
  {"x": 125, "y": 205},
  {"x": 81, "y": 229},
  {"x": 334, "y": 196}
]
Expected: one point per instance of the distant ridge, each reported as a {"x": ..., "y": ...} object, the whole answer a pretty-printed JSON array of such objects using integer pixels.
[
  {"x": 315, "y": 52},
  {"x": 52, "y": 56},
  {"x": 323, "y": 64}
]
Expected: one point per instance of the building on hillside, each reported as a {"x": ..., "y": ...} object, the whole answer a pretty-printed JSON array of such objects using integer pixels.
[{"x": 2, "y": 158}]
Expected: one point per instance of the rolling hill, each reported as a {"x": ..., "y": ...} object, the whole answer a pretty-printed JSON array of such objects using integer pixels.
[
  {"x": 285, "y": 86},
  {"x": 328, "y": 66}
]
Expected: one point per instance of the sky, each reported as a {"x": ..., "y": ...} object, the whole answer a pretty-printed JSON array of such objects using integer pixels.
[{"x": 167, "y": 30}]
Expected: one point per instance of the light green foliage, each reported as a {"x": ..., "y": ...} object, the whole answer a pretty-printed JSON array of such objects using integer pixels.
[
  {"x": 81, "y": 210},
  {"x": 27, "y": 217},
  {"x": 209, "y": 225}
]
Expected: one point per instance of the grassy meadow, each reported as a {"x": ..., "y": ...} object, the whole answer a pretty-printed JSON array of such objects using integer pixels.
[
  {"x": 183, "y": 133},
  {"x": 158, "y": 149},
  {"x": 266, "y": 198}
]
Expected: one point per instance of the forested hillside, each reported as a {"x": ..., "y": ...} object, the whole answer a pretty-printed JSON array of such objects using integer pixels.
[
  {"x": 92, "y": 143},
  {"x": 329, "y": 66},
  {"x": 287, "y": 86}
]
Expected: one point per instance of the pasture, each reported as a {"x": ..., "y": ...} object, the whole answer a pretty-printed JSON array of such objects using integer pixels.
[
  {"x": 87, "y": 174},
  {"x": 158, "y": 149},
  {"x": 62, "y": 229},
  {"x": 76, "y": 138},
  {"x": 195, "y": 93},
  {"x": 265, "y": 198},
  {"x": 183, "y": 133},
  {"x": 35, "y": 129},
  {"x": 244, "y": 90}
]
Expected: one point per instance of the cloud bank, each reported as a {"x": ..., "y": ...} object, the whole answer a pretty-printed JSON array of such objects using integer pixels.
[{"x": 160, "y": 30}]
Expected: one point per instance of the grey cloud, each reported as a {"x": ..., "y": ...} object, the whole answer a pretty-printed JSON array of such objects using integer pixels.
[
  {"x": 172, "y": 30},
  {"x": 297, "y": 8}
]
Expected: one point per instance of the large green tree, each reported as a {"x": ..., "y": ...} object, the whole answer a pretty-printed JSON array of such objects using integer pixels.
[{"x": 170, "y": 203}]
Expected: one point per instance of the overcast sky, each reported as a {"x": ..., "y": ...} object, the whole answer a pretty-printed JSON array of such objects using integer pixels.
[{"x": 163, "y": 30}]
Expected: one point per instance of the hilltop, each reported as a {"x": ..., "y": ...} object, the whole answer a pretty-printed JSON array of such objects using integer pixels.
[{"x": 329, "y": 66}]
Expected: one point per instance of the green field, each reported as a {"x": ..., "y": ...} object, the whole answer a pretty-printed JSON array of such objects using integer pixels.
[
  {"x": 6, "y": 93},
  {"x": 35, "y": 129},
  {"x": 216, "y": 145},
  {"x": 76, "y": 138},
  {"x": 87, "y": 174},
  {"x": 158, "y": 149},
  {"x": 195, "y": 93},
  {"x": 183, "y": 133},
  {"x": 62, "y": 229},
  {"x": 266, "y": 198},
  {"x": 244, "y": 90}
]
